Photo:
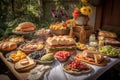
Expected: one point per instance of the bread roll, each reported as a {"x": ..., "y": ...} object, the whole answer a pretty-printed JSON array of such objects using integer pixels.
[
  {"x": 8, "y": 46},
  {"x": 25, "y": 27},
  {"x": 107, "y": 34}
]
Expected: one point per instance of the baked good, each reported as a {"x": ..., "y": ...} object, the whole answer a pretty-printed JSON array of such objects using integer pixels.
[
  {"x": 110, "y": 41},
  {"x": 7, "y": 46},
  {"x": 25, "y": 27},
  {"x": 107, "y": 34},
  {"x": 24, "y": 64},
  {"x": 58, "y": 43},
  {"x": 92, "y": 57}
]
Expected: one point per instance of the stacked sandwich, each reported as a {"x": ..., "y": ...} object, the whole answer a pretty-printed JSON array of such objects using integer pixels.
[{"x": 59, "y": 43}]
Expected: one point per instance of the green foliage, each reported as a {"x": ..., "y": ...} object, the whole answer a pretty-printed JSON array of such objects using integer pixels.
[{"x": 13, "y": 13}]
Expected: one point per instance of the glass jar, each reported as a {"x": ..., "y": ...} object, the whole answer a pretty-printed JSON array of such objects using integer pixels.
[{"x": 92, "y": 40}]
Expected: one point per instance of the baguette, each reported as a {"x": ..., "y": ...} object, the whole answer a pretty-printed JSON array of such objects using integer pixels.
[{"x": 107, "y": 34}]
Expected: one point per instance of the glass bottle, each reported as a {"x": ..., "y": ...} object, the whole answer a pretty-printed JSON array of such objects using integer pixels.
[{"x": 92, "y": 40}]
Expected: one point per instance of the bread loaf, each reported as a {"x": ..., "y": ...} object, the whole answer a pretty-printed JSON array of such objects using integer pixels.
[
  {"x": 7, "y": 46},
  {"x": 25, "y": 27}
]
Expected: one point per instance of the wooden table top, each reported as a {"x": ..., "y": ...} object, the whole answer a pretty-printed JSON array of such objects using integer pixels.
[{"x": 18, "y": 75}]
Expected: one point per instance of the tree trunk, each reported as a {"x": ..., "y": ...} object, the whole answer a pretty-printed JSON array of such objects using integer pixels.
[
  {"x": 41, "y": 14},
  {"x": 12, "y": 5}
]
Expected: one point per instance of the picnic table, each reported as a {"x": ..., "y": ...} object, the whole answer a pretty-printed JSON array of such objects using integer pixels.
[{"x": 57, "y": 73}]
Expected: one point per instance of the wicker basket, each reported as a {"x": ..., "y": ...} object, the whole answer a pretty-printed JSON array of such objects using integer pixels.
[{"x": 88, "y": 30}]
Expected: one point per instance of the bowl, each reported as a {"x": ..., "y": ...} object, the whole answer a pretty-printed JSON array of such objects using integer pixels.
[
  {"x": 60, "y": 32},
  {"x": 62, "y": 59}
]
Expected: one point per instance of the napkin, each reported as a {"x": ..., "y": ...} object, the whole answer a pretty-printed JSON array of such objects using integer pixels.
[{"x": 38, "y": 72}]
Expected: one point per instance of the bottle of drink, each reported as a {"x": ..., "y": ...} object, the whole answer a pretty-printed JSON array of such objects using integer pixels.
[{"x": 92, "y": 40}]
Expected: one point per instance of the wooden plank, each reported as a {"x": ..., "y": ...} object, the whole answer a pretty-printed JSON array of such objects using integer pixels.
[
  {"x": 19, "y": 76},
  {"x": 98, "y": 19}
]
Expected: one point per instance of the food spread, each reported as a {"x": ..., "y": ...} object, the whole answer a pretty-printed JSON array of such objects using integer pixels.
[{"x": 57, "y": 48}]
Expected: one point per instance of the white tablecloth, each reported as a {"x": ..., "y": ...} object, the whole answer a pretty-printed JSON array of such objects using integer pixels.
[{"x": 56, "y": 73}]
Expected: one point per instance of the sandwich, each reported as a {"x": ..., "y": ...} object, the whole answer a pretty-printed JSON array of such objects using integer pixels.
[
  {"x": 58, "y": 43},
  {"x": 93, "y": 56}
]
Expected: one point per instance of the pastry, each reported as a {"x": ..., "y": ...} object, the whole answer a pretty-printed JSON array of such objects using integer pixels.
[
  {"x": 25, "y": 27},
  {"x": 7, "y": 46}
]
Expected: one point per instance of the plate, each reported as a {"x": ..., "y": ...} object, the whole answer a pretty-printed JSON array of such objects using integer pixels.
[
  {"x": 37, "y": 55},
  {"x": 103, "y": 63},
  {"x": 20, "y": 55},
  {"x": 29, "y": 51},
  {"x": 76, "y": 72},
  {"x": 19, "y": 32},
  {"x": 8, "y": 56}
]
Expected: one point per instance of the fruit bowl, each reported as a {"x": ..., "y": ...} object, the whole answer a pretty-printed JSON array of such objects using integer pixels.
[{"x": 62, "y": 56}]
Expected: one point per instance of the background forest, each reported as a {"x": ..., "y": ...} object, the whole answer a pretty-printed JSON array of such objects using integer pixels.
[
  {"x": 12, "y": 12},
  {"x": 41, "y": 12}
]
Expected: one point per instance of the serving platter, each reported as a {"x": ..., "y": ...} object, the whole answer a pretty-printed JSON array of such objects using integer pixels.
[
  {"x": 37, "y": 56},
  {"x": 103, "y": 63},
  {"x": 64, "y": 66}
]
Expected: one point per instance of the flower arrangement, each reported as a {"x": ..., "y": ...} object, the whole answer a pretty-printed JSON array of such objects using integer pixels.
[
  {"x": 59, "y": 12},
  {"x": 84, "y": 9}
]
